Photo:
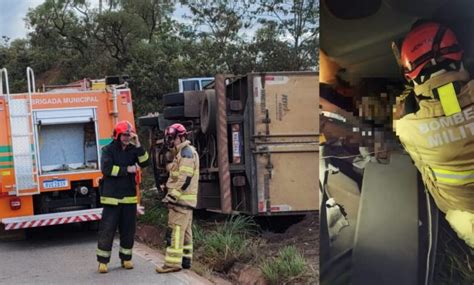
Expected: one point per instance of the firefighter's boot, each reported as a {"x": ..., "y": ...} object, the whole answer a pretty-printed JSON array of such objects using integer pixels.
[
  {"x": 127, "y": 264},
  {"x": 103, "y": 268},
  {"x": 167, "y": 269}
]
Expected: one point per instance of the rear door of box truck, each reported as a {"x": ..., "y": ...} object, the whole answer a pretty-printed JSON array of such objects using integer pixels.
[{"x": 286, "y": 136}]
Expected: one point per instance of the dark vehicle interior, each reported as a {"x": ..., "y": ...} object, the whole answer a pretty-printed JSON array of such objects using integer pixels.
[{"x": 392, "y": 226}]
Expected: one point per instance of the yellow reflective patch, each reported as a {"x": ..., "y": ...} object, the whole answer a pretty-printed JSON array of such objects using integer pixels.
[
  {"x": 175, "y": 260},
  {"x": 6, "y": 173},
  {"x": 189, "y": 247},
  {"x": 445, "y": 171},
  {"x": 454, "y": 177},
  {"x": 173, "y": 250},
  {"x": 115, "y": 201},
  {"x": 103, "y": 253},
  {"x": 175, "y": 193},
  {"x": 129, "y": 200},
  {"x": 188, "y": 255},
  {"x": 188, "y": 197},
  {"x": 125, "y": 251},
  {"x": 449, "y": 100},
  {"x": 177, "y": 230},
  {"x": 108, "y": 201},
  {"x": 143, "y": 158},
  {"x": 115, "y": 170},
  {"x": 187, "y": 169}
]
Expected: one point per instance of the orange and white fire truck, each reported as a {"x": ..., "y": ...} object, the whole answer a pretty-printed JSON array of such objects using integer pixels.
[{"x": 50, "y": 144}]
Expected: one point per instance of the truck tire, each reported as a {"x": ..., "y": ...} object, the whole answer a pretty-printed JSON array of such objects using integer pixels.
[
  {"x": 173, "y": 112},
  {"x": 173, "y": 99},
  {"x": 208, "y": 113}
]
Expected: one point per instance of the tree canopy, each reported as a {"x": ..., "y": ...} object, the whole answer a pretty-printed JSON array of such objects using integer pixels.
[{"x": 72, "y": 40}]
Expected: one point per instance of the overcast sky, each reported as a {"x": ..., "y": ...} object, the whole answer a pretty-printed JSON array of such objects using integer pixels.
[{"x": 12, "y": 13}]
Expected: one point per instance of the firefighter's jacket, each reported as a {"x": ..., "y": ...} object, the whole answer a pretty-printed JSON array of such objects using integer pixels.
[
  {"x": 183, "y": 180},
  {"x": 118, "y": 186},
  {"x": 442, "y": 148}
]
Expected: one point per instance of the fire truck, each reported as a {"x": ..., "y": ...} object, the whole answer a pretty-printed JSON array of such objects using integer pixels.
[{"x": 50, "y": 146}]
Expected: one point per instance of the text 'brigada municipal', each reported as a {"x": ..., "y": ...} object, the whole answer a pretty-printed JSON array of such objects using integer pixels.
[{"x": 66, "y": 100}]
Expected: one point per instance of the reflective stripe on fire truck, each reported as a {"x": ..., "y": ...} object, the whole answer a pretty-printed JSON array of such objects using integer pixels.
[{"x": 52, "y": 219}]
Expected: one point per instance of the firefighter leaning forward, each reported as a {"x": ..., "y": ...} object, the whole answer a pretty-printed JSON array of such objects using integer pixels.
[
  {"x": 118, "y": 194},
  {"x": 440, "y": 136},
  {"x": 181, "y": 199}
]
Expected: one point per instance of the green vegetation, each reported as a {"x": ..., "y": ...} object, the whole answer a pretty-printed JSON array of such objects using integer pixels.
[
  {"x": 156, "y": 216},
  {"x": 287, "y": 265},
  {"x": 223, "y": 245}
]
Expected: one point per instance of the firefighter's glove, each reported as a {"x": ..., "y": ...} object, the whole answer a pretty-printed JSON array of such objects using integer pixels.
[
  {"x": 140, "y": 210},
  {"x": 462, "y": 223}
]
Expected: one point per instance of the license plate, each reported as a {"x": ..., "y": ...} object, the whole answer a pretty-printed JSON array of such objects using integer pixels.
[{"x": 56, "y": 183}]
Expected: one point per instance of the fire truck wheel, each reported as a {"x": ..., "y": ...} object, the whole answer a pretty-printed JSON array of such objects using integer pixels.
[
  {"x": 173, "y": 99},
  {"x": 208, "y": 114},
  {"x": 173, "y": 112}
]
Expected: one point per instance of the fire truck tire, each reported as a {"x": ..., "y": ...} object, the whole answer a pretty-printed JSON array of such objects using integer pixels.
[
  {"x": 208, "y": 114},
  {"x": 173, "y": 112},
  {"x": 173, "y": 99}
]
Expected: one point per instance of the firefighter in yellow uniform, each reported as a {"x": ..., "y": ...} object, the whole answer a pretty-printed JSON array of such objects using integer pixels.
[
  {"x": 440, "y": 136},
  {"x": 181, "y": 199}
]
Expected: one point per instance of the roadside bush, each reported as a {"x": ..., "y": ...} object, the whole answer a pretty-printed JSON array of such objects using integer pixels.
[{"x": 288, "y": 264}]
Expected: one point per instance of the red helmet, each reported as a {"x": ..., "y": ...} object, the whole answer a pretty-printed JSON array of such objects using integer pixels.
[
  {"x": 173, "y": 131},
  {"x": 123, "y": 127},
  {"x": 426, "y": 42}
]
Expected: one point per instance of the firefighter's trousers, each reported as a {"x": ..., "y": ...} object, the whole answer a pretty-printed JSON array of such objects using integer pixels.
[
  {"x": 122, "y": 216},
  {"x": 179, "y": 237}
]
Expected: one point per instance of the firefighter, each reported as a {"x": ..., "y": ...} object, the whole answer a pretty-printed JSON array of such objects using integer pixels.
[
  {"x": 120, "y": 162},
  {"x": 181, "y": 199},
  {"x": 440, "y": 136}
]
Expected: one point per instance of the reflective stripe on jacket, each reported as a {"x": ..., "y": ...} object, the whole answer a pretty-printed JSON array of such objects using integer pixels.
[
  {"x": 442, "y": 148},
  {"x": 117, "y": 183},
  {"x": 183, "y": 181}
]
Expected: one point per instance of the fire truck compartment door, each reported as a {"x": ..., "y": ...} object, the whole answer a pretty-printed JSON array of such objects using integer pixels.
[{"x": 68, "y": 116}]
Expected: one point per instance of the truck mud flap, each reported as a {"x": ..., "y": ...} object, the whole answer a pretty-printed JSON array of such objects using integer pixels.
[{"x": 52, "y": 219}]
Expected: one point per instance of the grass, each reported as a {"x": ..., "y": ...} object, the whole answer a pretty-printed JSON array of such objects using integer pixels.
[
  {"x": 288, "y": 264},
  {"x": 225, "y": 244},
  {"x": 156, "y": 215}
]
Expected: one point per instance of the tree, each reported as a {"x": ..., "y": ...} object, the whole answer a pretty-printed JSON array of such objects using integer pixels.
[
  {"x": 218, "y": 27},
  {"x": 298, "y": 22}
]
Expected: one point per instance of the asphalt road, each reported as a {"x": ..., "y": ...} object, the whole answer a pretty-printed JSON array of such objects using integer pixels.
[{"x": 66, "y": 255}]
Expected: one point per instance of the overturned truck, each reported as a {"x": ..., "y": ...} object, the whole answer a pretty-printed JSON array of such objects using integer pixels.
[{"x": 257, "y": 137}]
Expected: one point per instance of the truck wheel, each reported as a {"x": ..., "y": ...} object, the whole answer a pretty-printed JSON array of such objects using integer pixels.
[
  {"x": 173, "y": 99},
  {"x": 208, "y": 113},
  {"x": 173, "y": 112}
]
